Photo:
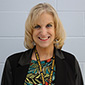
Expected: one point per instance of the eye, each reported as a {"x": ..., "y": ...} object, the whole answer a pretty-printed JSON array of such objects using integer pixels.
[
  {"x": 37, "y": 26},
  {"x": 48, "y": 25}
]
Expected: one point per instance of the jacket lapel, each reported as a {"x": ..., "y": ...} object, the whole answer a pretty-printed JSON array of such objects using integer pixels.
[
  {"x": 20, "y": 75},
  {"x": 60, "y": 72},
  {"x": 22, "y": 68},
  {"x": 60, "y": 68}
]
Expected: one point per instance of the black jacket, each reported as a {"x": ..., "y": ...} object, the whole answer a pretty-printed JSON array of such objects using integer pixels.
[{"x": 67, "y": 69}]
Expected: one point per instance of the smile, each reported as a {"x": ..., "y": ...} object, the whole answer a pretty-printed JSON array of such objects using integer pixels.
[{"x": 44, "y": 39}]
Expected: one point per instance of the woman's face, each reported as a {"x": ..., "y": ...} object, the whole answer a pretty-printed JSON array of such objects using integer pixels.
[{"x": 44, "y": 31}]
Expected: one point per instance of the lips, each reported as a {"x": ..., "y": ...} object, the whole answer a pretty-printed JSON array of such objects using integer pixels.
[{"x": 44, "y": 39}]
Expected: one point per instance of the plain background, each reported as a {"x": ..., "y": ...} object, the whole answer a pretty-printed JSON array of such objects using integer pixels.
[{"x": 13, "y": 14}]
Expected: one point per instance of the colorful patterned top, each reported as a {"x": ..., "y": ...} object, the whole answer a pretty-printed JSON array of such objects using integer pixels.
[{"x": 33, "y": 76}]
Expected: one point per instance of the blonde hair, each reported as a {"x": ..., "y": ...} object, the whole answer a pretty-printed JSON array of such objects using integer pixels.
[{"x": 35, "y": 12}]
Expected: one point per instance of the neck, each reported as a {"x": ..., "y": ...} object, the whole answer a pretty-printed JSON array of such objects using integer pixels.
[{"x": 45, "y": 53}]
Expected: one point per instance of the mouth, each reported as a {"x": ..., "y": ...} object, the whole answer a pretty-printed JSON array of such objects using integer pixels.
[{"x": 44, "y": 39}]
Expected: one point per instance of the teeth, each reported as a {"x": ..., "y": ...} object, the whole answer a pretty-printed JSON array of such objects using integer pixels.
[{"x": 43, "y": 38}]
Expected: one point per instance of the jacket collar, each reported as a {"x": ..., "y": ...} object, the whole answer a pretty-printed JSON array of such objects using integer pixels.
[{"x": 26, "y": 56}]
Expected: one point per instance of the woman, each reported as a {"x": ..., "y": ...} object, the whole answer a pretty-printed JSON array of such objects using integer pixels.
[{"x": 44, "y": 63}]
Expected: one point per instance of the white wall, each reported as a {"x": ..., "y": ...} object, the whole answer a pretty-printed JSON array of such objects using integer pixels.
[{"x": 13, "y": 14}]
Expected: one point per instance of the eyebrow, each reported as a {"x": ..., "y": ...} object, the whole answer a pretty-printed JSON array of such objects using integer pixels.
[
  {"x": 50, "y": 23},
  {"x": 47, "y": 23}
]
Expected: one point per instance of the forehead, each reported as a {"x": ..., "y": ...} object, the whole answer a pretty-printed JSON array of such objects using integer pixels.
[{"x": 44, "y": 18}]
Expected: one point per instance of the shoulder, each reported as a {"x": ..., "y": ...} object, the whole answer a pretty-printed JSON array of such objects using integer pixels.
[
  {"x": 68, "y": 55},
  {"x": 70, "y": 59},
  {"x": 15, "y": 57},
  {"x": 64, "y": 54}
]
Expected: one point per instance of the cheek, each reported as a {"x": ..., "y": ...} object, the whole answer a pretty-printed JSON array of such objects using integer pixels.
[
  {"x": 35, "y": 33},
  {"x": 52, "y": 32}
]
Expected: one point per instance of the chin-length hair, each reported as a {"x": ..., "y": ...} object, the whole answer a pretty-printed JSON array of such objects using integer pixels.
[{"x": 31, "y": 21}]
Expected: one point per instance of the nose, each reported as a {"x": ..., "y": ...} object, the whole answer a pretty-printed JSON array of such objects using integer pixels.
[{"x": 43, "y": 31}]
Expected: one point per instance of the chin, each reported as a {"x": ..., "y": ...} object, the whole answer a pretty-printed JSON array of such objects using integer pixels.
[{"x": 44, "y": 46}]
